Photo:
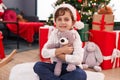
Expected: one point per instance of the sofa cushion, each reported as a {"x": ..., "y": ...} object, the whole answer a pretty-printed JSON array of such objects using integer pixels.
[{"x": 10, "y": 15}]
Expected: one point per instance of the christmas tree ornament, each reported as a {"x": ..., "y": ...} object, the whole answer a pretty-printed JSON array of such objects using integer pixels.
[{"x": 79, "y": 1}]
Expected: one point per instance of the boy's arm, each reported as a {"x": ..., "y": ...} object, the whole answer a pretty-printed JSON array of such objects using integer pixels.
[
  {"x": 77, "y": 56},
  {"x": 60, "y": 52}
]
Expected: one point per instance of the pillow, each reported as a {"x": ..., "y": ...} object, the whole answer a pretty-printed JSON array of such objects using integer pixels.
[{"x": 10, "y": 15}]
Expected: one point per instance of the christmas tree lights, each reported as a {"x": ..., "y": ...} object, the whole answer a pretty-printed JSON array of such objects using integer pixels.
[{"x": 85, "y": 7}]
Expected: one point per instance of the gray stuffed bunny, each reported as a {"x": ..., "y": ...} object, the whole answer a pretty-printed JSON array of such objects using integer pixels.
[{"x": 92, "y": 56}]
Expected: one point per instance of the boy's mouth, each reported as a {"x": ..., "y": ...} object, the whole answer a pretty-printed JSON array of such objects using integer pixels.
[{"x": 63, "y": 26}]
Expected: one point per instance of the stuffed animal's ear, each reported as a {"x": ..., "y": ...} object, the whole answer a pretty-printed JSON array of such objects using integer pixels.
[
  {"x": 85, "y": 52},
  {"x": 98, "y": 54}
]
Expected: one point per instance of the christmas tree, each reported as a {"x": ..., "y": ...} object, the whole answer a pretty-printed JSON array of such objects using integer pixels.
[{"x": 85, "y": 7}]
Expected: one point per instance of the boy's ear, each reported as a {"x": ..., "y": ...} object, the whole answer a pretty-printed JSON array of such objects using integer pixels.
[{"x": 73, "y": 22}]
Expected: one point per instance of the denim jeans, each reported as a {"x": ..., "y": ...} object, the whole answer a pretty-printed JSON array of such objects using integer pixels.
[{"x": 45, "y": 71}]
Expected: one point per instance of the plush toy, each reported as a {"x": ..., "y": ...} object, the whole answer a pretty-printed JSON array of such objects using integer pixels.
[
  {"x": 66, "y": 37},
  {"x": 105, "y": 10},
  {"x": 2, "y": 8},
  {"x": 21, "y": 19},
  {"x": 92, "y": 56}
]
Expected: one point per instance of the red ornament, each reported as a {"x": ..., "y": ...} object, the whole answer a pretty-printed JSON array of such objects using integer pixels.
[
  {"x": 78, "y": 15},
  {"x": 79, "y": 1}
]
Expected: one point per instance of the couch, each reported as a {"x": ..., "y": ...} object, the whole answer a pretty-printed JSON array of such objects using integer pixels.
[{"x": 27, "y": 29}]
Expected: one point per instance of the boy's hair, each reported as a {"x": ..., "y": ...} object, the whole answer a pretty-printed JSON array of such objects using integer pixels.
[
  {"x": 62, "y": 8},
  {"x": 61, "y": 11}
]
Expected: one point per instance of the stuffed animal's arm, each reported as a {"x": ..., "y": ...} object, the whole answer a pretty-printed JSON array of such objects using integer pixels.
[{"x": 53, "y": 45}]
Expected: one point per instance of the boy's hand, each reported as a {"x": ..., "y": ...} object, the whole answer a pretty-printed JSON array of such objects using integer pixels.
[
  {"x": 67, "y": 49},
  {"x": 62, "y": 51}
]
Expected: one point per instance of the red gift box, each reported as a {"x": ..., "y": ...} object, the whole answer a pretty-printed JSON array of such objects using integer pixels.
[
  {"x": 119, "y": 42},
  {"x": 116, "y": 52},
  {"x": 2, "y": 53},
  {"x": 106, "y": 42},
  {"x": 44, "y": 33}
]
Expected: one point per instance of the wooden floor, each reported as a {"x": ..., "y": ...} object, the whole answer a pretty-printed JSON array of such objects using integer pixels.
[
  {"x": 112, "y": 74},
  {"x": 33, "y": 55},
  {"x": 21, "y": 57}
]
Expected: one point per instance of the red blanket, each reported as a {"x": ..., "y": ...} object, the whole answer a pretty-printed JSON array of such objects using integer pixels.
[{"x": 26, "y": 29}]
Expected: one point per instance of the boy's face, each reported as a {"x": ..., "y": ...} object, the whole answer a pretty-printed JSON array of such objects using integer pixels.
[{"x": 64, "y": 22}]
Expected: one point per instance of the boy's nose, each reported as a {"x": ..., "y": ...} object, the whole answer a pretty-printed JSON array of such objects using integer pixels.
[{"x": 63, "y": 21}]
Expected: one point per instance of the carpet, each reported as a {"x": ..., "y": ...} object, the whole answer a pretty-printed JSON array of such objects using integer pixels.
[{"x": 11, "y": 44}]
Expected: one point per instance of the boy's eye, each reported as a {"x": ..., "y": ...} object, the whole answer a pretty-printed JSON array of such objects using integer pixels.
[
  {"x": 66, "y": 19},
  {"x": 59, "y": 19}
]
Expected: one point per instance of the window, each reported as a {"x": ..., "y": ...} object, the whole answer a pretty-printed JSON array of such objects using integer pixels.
[
  {"x": 115, "y": 5},
  {"x": 45, "y": 8}
]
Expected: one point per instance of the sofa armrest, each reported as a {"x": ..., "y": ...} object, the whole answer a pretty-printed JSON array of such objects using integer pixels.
[{"x": 31, "y": 18}]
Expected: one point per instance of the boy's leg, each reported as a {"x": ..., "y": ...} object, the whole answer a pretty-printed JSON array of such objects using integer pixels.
[
  {"x": 77, "y": 74},
  {"x": 45, "y": 71}
]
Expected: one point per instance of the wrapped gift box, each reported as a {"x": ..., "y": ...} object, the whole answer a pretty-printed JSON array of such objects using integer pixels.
[
  {"x": 84, "y": 35},
  {"x": 44, "y": 33},
  {"x": 119, "y": 42},
  {"x": 2, "y": 53},
  {"x": 116, "y": 51},
  {"x": 107, "y": 43},
  {"x": 103, "y": 22},
  {"x": 116, "y": 63}
]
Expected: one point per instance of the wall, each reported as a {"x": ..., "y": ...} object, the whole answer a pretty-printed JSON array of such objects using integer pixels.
[{"x": 27, "y": 6}]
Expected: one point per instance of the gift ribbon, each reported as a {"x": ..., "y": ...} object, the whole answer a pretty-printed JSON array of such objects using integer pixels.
[
  {"x": 107, "y": 57},
  {"x": 116, "y": 53},
  {"x": 102, "y": 23}
]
